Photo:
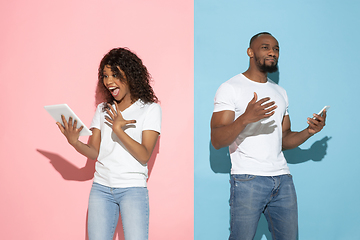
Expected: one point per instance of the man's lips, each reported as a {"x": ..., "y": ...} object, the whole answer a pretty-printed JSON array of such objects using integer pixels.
[{"x": 270, "y": 59}]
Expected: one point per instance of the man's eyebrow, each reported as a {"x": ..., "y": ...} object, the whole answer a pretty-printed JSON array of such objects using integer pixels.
[{"x": 268, "y": 44}]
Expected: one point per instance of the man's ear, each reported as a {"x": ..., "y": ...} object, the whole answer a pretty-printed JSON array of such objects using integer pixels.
[{"x": 250, "y": 52}]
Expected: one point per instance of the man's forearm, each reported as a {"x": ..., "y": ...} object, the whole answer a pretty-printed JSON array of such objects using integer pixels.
[
  {"x": 294, "y": 139},
  {"x": 225, "y": 135}
]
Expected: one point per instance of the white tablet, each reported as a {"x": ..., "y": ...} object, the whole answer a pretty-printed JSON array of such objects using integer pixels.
[{"x": 63, "y": 109}]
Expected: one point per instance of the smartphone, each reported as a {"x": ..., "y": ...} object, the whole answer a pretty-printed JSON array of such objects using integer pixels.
[{"x": 322, "y": 111}]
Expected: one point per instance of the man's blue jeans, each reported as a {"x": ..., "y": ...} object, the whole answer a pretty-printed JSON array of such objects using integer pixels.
[
  {"x": 105, "y": 203},
  {"x": 274, "y": 196}
]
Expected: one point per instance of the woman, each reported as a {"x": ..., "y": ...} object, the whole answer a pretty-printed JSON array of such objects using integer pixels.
[{"x": 125, "y": 129}]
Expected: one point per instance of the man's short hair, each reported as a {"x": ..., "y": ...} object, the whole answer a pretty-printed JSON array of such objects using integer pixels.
[{"x": 257, "y": 35}]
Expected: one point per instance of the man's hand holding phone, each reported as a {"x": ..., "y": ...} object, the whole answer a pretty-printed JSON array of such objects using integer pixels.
[{"x": 317, "y": 123}]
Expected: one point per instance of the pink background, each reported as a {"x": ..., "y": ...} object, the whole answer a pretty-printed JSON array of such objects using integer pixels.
[{"x": 50, "y": 51}]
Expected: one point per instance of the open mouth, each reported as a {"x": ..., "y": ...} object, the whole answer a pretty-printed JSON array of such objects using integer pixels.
[{"x": 114, "y": 91}]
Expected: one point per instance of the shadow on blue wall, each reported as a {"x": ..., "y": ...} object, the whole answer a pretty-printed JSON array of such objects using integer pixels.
[
  {"x": 316, "y": 152},
  {"x": 220, "y": 163},
  {"x": 275, "y": 76}
]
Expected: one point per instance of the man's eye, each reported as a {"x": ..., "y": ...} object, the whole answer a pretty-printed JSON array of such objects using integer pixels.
[{"x": 264, "y": 47}]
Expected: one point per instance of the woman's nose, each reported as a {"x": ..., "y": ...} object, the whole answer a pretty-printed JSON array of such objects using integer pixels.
[{"x": 108, "y": 80}]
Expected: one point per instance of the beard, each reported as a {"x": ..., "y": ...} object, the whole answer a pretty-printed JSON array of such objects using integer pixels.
[{"x": 266, "y": 68}]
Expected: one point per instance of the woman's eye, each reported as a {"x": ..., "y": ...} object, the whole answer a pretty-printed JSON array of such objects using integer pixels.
[{"x": 115, "y": 75}]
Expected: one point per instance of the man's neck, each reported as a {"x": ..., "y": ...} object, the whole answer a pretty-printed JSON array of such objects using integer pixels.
[{"x": 256, "y": 76}]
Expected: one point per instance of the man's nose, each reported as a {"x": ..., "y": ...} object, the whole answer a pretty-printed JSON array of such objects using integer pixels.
[{"x": 272, "y": 52}]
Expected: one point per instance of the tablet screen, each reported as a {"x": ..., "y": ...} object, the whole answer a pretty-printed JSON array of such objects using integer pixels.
[{"x": 63, "y": 109}]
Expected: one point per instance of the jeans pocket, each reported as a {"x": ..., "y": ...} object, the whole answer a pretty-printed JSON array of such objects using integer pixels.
[{"x": 243, "y": 177}]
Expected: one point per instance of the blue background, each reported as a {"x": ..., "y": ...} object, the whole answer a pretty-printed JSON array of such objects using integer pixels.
[{"x": 318, "y": 65}]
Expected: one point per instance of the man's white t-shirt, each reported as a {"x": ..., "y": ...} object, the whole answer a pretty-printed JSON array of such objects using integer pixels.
[
  {"x": 258, "y": 148},
  {"x": 115, "y": 166}
]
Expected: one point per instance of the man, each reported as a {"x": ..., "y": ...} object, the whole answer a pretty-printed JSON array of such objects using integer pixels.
[{"x": 250, "y": 116}]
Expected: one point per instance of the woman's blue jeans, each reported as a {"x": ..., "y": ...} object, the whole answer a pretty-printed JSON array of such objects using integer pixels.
[
  {"x": 106, "y": 203},
  {"x": 274, "y": 196}
]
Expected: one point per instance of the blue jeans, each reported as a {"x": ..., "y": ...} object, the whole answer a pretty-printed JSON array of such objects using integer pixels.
[
  {"x": 105, "y": 203},
  {"x": 274, "y": 196}
]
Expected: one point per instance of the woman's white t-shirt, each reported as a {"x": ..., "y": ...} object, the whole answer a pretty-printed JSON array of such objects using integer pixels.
[{"x": 115, "y": 166}]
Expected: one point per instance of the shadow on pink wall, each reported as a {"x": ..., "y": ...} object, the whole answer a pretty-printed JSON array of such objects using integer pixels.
[
  {"x": 71, "y": 172},
  {"x": 68, "y": 170}
]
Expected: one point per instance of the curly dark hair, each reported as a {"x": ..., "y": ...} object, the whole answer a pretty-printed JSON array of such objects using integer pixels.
[{"x": 136, "y": 75}]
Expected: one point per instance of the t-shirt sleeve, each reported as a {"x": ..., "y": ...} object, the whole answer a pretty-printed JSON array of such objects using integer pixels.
[
  {"x": 224, "y": 98},
  {"x": 287, "y": 104},
  {"x": 96, "y": 121},
  {"x": 153, "y": 118}
]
